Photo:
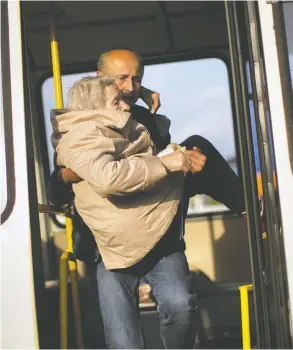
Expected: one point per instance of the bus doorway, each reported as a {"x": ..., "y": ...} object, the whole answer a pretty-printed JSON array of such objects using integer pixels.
[{"x": 221, "y": 53}]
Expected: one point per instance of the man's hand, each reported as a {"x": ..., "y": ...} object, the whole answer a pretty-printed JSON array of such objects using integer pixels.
[
  {"x": 151, "y": 99},
  {"x": 68, "y": 176},
  {"x": 197, "y": 160},
  {"x": 191, "y": 160}
]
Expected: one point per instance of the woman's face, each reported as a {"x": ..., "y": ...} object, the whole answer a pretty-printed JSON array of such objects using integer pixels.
[{"x": 114, "y": 100}]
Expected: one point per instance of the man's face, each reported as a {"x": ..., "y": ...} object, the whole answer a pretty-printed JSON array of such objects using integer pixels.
[{"x": 125, "y": 66}]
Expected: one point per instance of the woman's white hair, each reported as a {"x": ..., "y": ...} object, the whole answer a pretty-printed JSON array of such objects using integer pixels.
[{"x": 91, "y": 92}]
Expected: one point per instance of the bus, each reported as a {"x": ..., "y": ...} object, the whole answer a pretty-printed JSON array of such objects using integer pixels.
[{"x": 224, "y": 70}]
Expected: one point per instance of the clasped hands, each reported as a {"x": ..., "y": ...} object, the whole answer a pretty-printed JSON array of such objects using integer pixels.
[{"x": 184, "y": 160}]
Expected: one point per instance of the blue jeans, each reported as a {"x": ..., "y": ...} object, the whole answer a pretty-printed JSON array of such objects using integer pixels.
[{"x": 170, "y": 280}]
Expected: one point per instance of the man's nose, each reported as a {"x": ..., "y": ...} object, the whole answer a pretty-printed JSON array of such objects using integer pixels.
[{"x": 129, "y": 85}]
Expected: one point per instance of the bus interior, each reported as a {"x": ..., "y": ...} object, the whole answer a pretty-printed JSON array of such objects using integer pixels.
[{"x": 186, "y": 48}]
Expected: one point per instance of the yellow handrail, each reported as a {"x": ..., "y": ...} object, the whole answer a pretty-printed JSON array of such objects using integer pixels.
[
  {"x": 76, "y": 306},
  {"x": 69, "y": 229},
  {"x": 245, "y": 315},
  {"x": 63, "y": 299},
  {"x": 56, "y": 71},
  {"x": 64, "y": 261}
]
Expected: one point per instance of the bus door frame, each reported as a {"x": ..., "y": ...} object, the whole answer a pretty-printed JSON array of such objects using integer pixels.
[
  {"x": 268, "y": 273},
  {"x": 246, "y": 155},
  {"x": 22, "y": 287},
  {"x": 280, "y": 100}
]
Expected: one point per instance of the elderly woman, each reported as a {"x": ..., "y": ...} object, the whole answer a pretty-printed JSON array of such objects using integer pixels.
[{"x": 129, "y": 196}]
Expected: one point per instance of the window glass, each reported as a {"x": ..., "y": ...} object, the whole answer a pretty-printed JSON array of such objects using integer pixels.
[
  {"x": 48, "y": 97},
  {"x": 253, "y": 121},
  {"x": 195, "y": 96}
]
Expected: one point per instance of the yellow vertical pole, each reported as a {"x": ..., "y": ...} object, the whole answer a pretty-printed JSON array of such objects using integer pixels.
[
  {"x": 245, "y": 315},
  {"x": 69, "y": 233},
  {"x": 64, "y": 261},
  {"x": 74, "y": 287},
  {"x": 56, "y": 71},
  {"x": 76, "y": 305},
  {"x": 63, "y": 300}
]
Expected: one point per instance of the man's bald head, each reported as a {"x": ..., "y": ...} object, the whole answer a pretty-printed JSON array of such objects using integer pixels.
[
  {"x": 127, "y": 67},
  {"x": 118, "y": 54}
]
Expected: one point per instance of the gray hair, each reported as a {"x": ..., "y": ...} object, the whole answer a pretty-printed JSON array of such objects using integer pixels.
[{"x": 91, "y": 92}]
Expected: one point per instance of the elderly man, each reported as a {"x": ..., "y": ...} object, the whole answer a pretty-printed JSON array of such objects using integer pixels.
[{"x": 165, "y": 267}]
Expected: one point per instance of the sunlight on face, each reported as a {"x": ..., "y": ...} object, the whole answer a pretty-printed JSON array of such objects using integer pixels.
[{"x": 125, "y": 66}]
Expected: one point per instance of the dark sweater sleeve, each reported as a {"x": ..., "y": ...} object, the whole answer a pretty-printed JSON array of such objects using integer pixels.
[
  {"x": 59, "y": 193},
  {"x": 143, "y": 116}
]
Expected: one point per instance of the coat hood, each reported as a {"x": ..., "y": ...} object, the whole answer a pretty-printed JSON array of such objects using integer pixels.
[{"x": 63, "y": 120}]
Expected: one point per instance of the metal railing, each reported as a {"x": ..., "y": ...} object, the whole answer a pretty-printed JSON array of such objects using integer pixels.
[
  {"x": 66, "y": 261},
  {"x": 245, "y": 322}
]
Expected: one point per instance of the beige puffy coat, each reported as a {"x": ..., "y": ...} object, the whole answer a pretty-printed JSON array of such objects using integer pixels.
[{"x": 127, "y": 198}]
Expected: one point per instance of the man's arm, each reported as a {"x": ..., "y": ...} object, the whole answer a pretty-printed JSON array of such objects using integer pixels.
[
  {"x": 142, "y": 115},
  {"x": 59, "y": 192},
  {"x": 151, "y": 99}
]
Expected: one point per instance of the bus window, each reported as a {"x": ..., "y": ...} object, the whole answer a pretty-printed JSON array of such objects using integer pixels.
[
  {"x": 48, "y": 97},
  {"x": 253, "y": 127},
  {"x": 195, "y": 96}
]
